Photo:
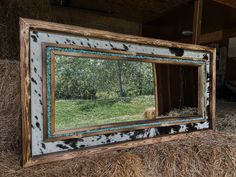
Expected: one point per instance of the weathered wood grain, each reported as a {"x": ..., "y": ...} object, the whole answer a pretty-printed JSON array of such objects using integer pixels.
[
  {"x": 213, "y": 91},
  {"x": 25, "y": 91},
  {"x": 118, "y": 146},
  {"x": 197, "y": 20},
  {"x": 69, "y": 29}
]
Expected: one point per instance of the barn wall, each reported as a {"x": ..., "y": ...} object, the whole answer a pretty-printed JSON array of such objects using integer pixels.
[{"x": 10, "y": 11}]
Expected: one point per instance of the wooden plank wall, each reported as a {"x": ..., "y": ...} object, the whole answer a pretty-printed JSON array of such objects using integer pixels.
[{"x": 177, "y": 87}]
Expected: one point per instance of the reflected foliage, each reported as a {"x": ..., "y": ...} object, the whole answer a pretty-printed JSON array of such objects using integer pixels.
[{"x": 83, "y": 78}]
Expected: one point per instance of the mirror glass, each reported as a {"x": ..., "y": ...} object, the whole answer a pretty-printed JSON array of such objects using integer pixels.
[
  {"x": 93, "y": 92},
  {"x": 179, "y": 90}
]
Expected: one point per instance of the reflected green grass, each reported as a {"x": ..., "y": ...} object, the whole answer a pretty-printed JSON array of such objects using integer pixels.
[{"x": 83, "y": 113}]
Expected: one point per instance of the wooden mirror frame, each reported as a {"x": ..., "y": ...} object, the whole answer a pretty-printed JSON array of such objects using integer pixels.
[{"x": 123, "y": 135}]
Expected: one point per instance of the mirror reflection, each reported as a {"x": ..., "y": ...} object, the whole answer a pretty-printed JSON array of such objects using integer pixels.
[
  {"x": 92, "y": 92},
  {"x": 179, "y": 91}
]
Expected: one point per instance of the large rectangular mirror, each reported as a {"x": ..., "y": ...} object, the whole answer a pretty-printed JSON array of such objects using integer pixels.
[
  {"x": 94, "y": 92},
  {"x": 86, "y": 91}
]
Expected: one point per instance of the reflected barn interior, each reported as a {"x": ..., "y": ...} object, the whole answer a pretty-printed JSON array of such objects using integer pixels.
[
  {"x": 178, "y": 88},
  {"x": 92, "y": 92}
]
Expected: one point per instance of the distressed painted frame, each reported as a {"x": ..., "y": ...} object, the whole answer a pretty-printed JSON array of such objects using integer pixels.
[
  {"x": 36, "y": 150},
  {"x": 51, "y": 50}
]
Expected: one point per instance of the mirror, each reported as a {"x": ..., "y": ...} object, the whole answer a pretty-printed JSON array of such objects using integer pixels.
[
  {"x": 86, "y": 91},
  {"x": 94, "y": 92}
]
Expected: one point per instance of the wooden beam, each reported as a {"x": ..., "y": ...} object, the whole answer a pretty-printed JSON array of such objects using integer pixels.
[
  {"x": 211, "y": 37},
  {"x": 230, "y": 3},
  {"x": 197, "y": 21},
  {"x": 207, "y": 37}
]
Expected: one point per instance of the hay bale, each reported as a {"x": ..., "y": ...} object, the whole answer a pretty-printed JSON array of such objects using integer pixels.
[
  {"x": 210, "y": 156},
  {"x": 9, "y": 105}
]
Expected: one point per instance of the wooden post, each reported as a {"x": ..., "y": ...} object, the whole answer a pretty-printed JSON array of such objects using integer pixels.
[{"x": 197, "y": 20}]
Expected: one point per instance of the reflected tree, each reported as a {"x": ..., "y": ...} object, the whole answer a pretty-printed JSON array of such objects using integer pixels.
[{"x": 84, "y": 78}]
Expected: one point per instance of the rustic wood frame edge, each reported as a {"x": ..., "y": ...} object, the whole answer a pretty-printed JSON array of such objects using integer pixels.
[
  {"x": 119, "y": 146},
  {"x": 76, "y": 30},
  {"x": 27, "y": 24},
  {"x": 213, "y": 91}
]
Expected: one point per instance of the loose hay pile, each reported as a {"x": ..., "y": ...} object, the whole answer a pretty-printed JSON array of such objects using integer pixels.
[
  {"x": 211, "y": 156},
  {"x": 226, "y": 116},
  {"x": 185, "y": 111}
]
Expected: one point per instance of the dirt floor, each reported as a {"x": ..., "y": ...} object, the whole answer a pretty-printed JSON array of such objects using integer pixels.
[{"x": 213, "y": 155}]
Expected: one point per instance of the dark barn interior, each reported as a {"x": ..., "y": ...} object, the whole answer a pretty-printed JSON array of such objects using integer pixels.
[{"x": 205, "y": 22}]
